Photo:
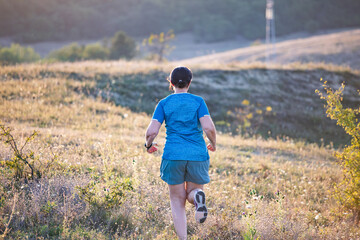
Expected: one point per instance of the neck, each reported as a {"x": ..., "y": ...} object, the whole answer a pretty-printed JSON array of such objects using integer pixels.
[{"x": 181, "y": 90}]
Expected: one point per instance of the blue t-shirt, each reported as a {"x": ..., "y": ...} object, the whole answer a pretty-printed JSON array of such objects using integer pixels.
[{"x": 184, "y": 134}]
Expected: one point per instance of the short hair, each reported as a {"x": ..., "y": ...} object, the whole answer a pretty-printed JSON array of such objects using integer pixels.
[{"x": 180, "y": 77}]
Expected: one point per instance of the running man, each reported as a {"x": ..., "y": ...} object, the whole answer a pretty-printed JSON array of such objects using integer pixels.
[{"x": 185, "y": 161}]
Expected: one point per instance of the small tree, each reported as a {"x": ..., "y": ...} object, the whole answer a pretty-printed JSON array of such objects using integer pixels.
[
  {"x": 348, "y": 190},
  {"x": 17, "y": 54},
  {"x": 158, "y": 44},
  {"x": 122, "y": 46},
  {"x": 72, "y": 52},
  {"x": 20, "y": 159},
  {"x": 95, "y": 51}
]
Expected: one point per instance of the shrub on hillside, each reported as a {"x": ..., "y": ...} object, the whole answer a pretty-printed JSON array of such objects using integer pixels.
[
  {"x": 24, "y": 163},
  {"x": 347, "y": 191},
  {"x": 17, "y": 54},
  {"x": 95, "y": 51},
  {"x": 158, "y": 45},
  {"x": 72, "y": 52},
  {"x": 245, "y": 120},
  {"x": 122, "y": 46}
]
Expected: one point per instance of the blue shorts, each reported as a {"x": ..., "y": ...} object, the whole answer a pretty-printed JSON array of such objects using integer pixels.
[{"x": 178, "y": 171}]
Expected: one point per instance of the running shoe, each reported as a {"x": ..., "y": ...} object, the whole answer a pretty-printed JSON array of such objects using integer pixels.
[{"x": 201, "y": 210}]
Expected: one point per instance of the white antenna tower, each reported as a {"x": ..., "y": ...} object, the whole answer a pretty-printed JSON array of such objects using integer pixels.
[{"x": 270, "y": 30}]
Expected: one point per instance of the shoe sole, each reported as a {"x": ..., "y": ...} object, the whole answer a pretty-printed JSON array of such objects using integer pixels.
[{"x": 201, "y": 211}]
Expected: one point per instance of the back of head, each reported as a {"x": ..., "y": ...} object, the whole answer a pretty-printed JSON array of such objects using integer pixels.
[{"x": 180, "y": 77}]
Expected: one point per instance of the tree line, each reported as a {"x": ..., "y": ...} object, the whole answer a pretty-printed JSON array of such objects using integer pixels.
[
  {"x": 209, "y": 20},
  {"x": 120, "y": 46}
]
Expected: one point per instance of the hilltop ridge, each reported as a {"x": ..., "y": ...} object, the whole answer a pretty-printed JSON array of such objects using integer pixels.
[{"x": 339, "y": 48}]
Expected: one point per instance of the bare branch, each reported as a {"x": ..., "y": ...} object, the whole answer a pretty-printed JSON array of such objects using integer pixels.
[{"x": 7, "y": 229}]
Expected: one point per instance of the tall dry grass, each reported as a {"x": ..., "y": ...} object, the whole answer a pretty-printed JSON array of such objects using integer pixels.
[
  {"x": 134, "y": 67},
  {"x": 97, "y": 142}
]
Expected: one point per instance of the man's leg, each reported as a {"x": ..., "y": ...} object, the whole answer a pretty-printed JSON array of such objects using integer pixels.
[
  {"x": 191, "y": 189},
  {"x": 196, "y": 196},
  {"x": 177, "y": 202}
]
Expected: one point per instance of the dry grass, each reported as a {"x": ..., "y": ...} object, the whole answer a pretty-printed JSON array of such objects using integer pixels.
[
  {"x": 93, "y": 137},
  {"x": 288, "y": 89},
  {"x": 89, "y": 68},
  {"x": 340, "y": 48}
]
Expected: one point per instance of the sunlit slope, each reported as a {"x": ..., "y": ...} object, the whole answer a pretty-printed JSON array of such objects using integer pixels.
[
  {"x": 76, "y": 118},
  {"x": 297, "y": 111},
  {"x": 340, "y": 48}
]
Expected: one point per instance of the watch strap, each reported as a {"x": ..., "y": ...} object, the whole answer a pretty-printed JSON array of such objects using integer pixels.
[{"x": 148, "y": 146}]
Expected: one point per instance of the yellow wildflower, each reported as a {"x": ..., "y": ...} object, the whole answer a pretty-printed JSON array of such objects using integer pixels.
[
  {"x": 245, "y": 102},
  {"x": 247, "y": 124}
]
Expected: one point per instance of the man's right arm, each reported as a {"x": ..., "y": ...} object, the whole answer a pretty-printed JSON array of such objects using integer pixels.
[{"x": 209, "y": 129}]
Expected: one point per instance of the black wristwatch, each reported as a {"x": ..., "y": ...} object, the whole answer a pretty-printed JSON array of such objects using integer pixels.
[{"x": 148, "y": 146}]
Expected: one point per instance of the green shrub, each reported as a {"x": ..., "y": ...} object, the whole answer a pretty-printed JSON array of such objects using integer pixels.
[
  {"x": 158, "y": 45},
  {"x": 122, "y": 46},
  {"x": 72, "y": 52},
  {"x": 17, "y": 54},
  {"x": 95, "y": 51},
  {"x": 23, "y": 164},
  {"x": 112, "y": 193},
  {"x": 348, "y": 190},
  {"x": 248, "y": 119}
]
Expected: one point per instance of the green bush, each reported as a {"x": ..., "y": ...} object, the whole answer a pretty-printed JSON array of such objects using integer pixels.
[
  {"x": 95, "y": 51},
  {"x": 247, "y": 119},
  {"x": 72, "y": 52},
  {"x": 106, "y": 194},
  {"x": 17, "y": 54},
  {"x": 122, "y": 46},
  {"x": 348, "y": 190},
  {"x": 158, "y": 45},
  {"x": 22, "y": 164}
]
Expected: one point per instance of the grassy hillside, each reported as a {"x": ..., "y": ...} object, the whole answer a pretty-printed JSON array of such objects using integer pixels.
[
  {"x": 339, "y": 48},
  {"x": 289, "y": 91},
  {"x": 99, "y": 183}
]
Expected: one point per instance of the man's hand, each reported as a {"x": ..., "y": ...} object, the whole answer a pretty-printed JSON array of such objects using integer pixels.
[
  {"x": 211, "y": 147},
  {"x": 152, "y": 148}
]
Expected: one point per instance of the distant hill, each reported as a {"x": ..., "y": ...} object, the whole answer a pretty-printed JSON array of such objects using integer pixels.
[
  {"x": 208, "y": 20},
  {"x": 340, "y": 48}
]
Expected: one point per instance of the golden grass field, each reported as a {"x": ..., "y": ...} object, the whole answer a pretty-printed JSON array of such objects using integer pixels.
[{"x": 97, "y": 142}]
